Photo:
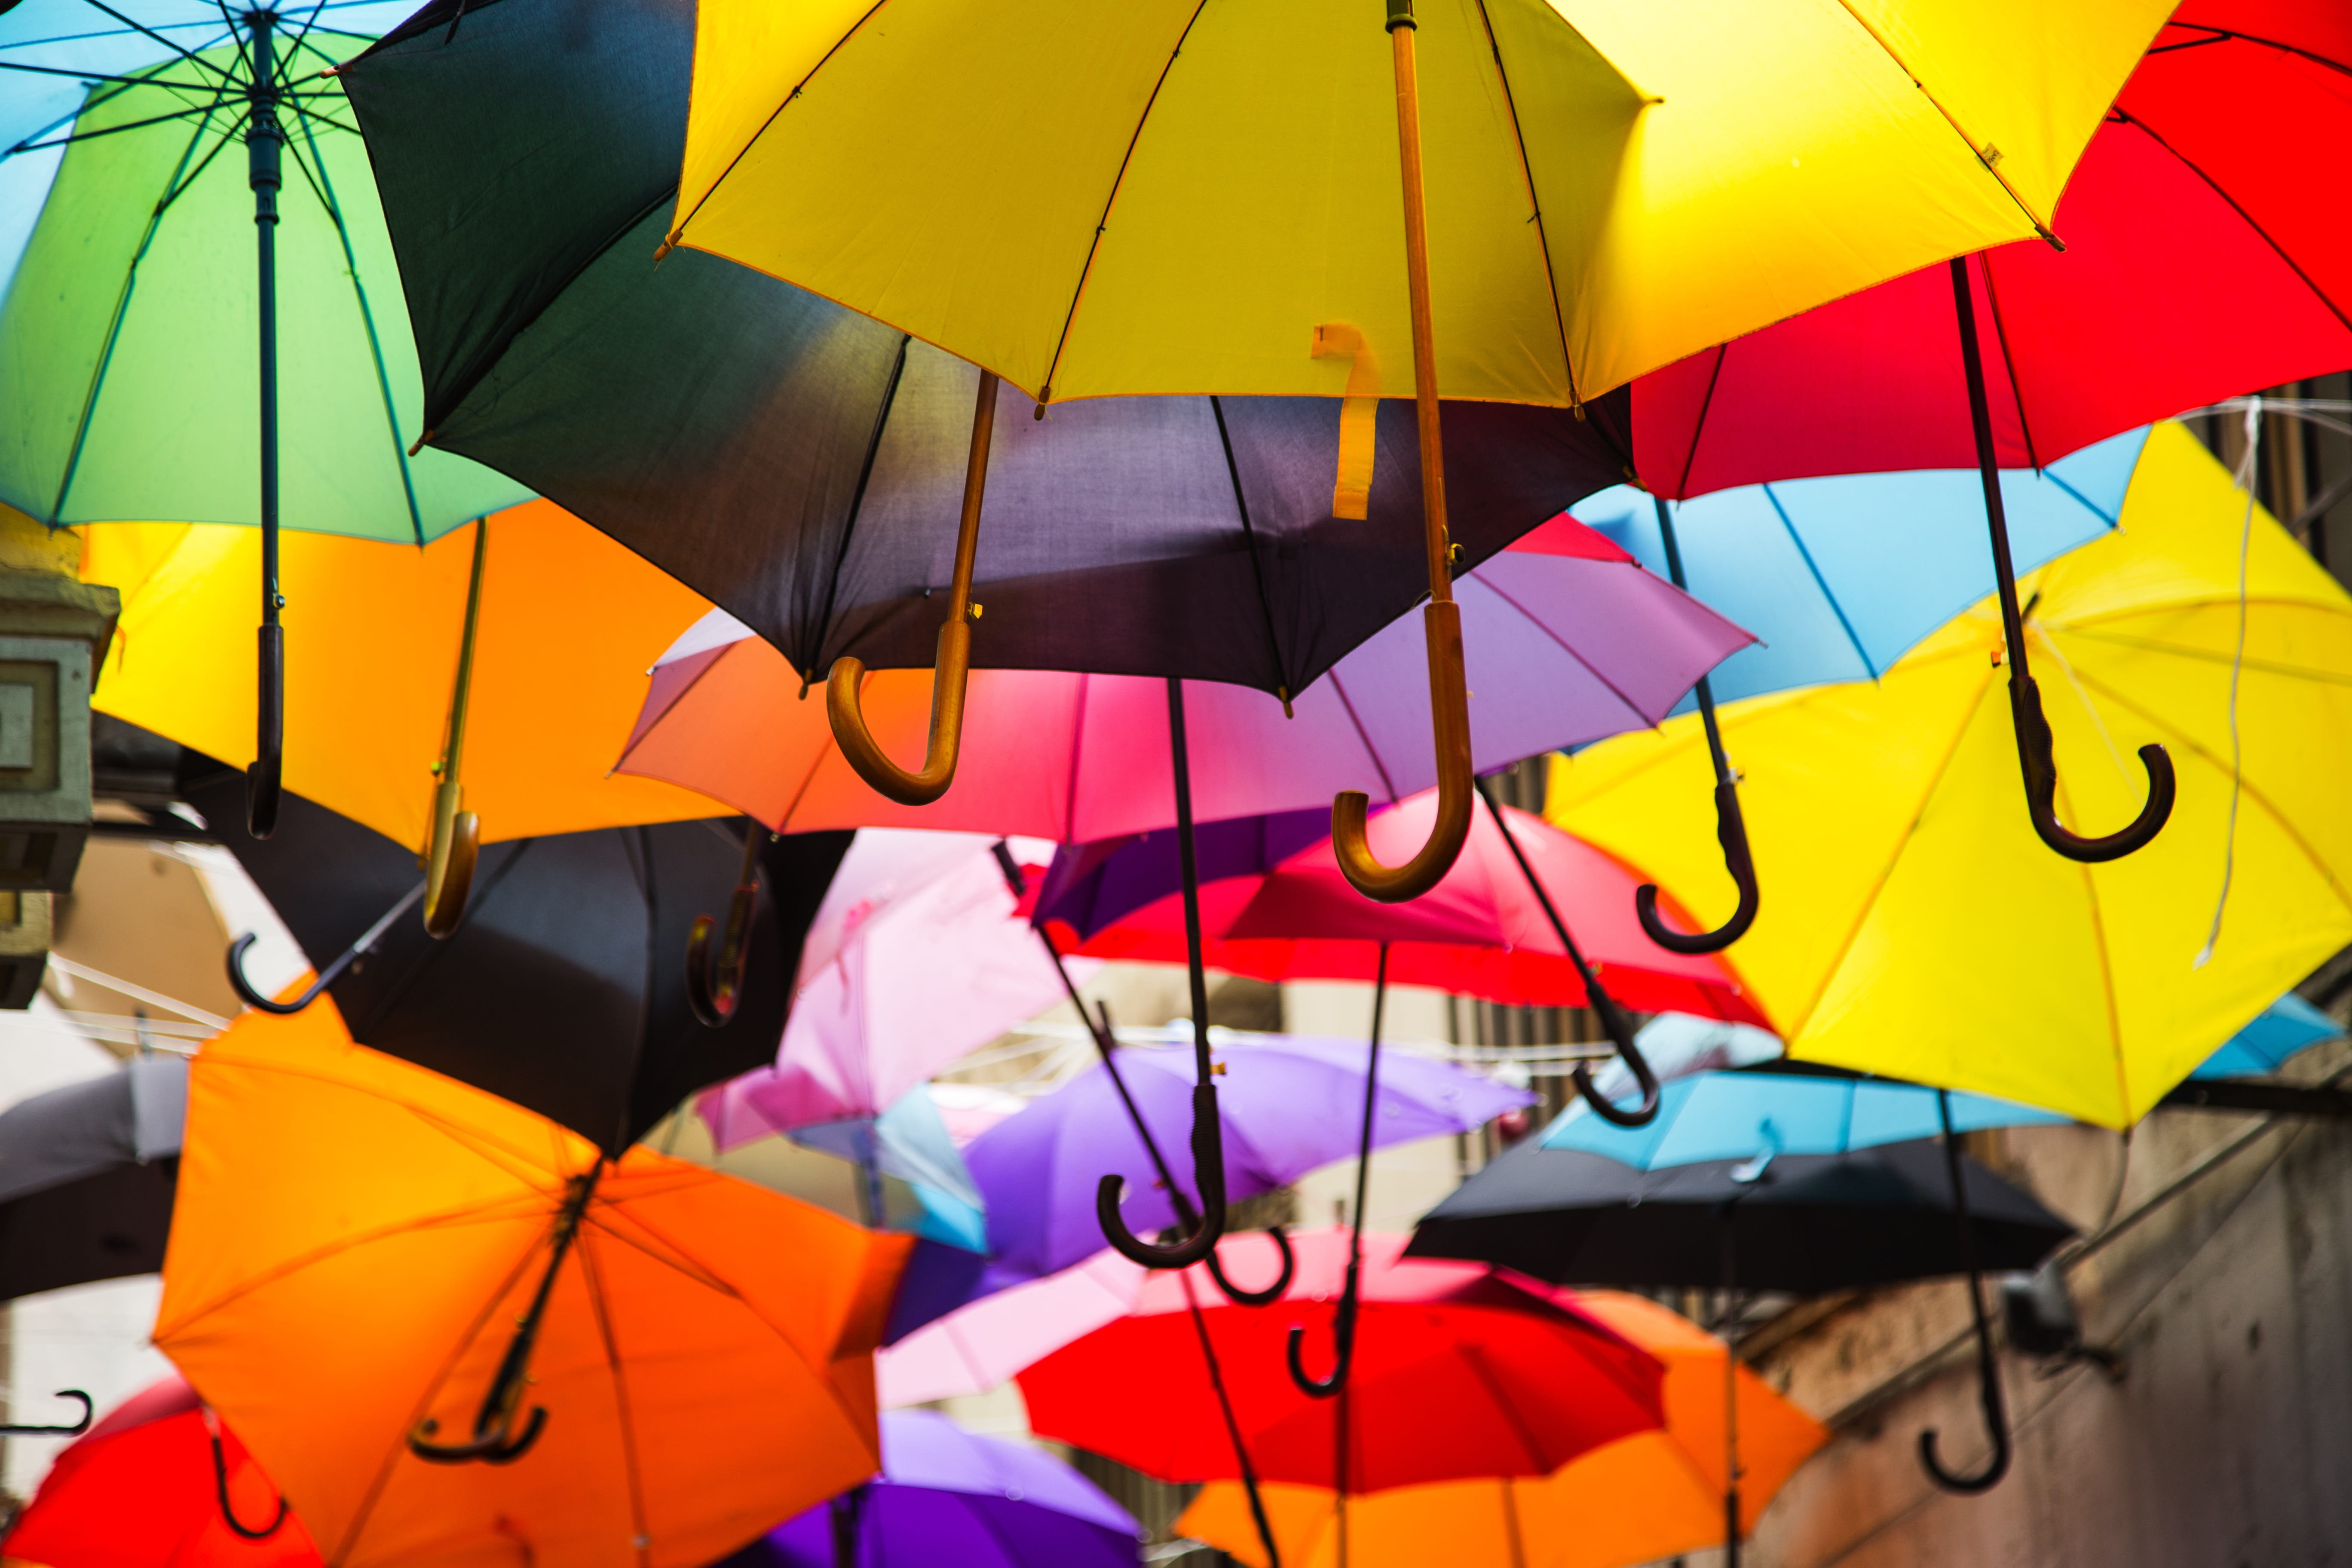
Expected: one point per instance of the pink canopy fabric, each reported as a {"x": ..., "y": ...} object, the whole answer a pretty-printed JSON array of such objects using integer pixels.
[
  {"x": 1567, "y": 639},
  {"x": 981, "y": 1345},
  {"x": 1479, "y": 932},
  {"x": 2196, "y": 267},
  {"x": 918, "y": 955}
]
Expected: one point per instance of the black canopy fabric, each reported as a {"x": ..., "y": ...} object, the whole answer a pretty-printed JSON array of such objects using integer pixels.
[
  {"x": 1808, "y": 1224},
  {"x": 88, "y": 1174},
  {"x": 801, "y": 466},
  {"x": 563, "y": 988}
]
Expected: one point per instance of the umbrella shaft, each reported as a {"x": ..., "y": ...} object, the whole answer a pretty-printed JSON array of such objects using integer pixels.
[
  {"x": 1424, "y": 332},
  {"x": 265, "y": 139},
  {"x": 2012, "y": 623}
]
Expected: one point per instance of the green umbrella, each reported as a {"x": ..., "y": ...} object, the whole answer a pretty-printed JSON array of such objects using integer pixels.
[{"x": 145, "y": 357}]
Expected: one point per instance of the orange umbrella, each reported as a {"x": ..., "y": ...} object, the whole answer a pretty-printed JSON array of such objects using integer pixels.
[
  {"x": 1652, "y": 1495},
  {"x": 377, "y": 1275}
]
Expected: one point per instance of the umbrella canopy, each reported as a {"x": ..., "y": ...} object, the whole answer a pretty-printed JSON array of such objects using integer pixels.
[
  {"x": 946, "y": 1495},
  {"x": 1038, "y": 1170},
  {"x": 674, "y": 1359},
  {"x": 2287, "y": 1026},
  {"x": 563, "y": 989},
  {"x": 1459, "y": 1370},
  {"x": 86, "y": 1173},
  {"x": 916, "y": 956},
  {"x": 567, "y": 622},
  {"x": 1281, "y": 909},
  {"x": 1571, "y": 641},
  {"x": 1584, "y": 166},
  {"x": 980, "y": 1344},
  {"x": 1888, "y": 813},
  {"x": 801, "y": 464},
  {"x": 144, "y": 1486},
  {"x": 1767, "y": 1113},
  {"x": 2194, "y": 269},
  {"x": 1805, "y": 1223},
  {"x": 1642, "y": 1499},
  {"x": 1840, "y": 577}
]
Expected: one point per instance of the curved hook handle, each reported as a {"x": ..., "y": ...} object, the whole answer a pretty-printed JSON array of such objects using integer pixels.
[
  {"x": 1996, "y": 1422},
  {"x": 450, "y": 864},
  {"x": 251, "y": 995},
  {"x": 1208, "y": 1174},
  {"x": 220, "y": 1487},
  {"x": 1644, "y": 1112},
  {"x": 264, "y": 780},
  {"x": 951, "y": 668},
  {"x": 75, "y": 1430},
  {"x": 500, "y": 1445},
  {"x": 1343, "y": 1350},
  {"x": 2034, "y": 754},
  {"x": 1449, "y": 703},
  {"x": 1270, "y": 1294},
  {"x": 1731, "y": 832},
  {"x": 713, "y": 986}
]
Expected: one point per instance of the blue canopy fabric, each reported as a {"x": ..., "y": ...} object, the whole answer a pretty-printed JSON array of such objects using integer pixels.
[
  {"x": 2287, "y": 1026},
  {"x": 1748, "y": 1115},
  {"x": 1839, "y": 577}
]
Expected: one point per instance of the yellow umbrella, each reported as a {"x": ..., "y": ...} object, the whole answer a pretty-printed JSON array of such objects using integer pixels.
[
  {"x": 390, "y": 720},
  {"x": 1171, "y": 196},
  {"x": 1651, "y": 1496},
  {"x": 1923, "y": 932}
]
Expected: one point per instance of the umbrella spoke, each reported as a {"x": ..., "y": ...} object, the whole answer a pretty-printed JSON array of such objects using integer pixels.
[
  {"x": 205, "y": 110},
  {"x": 180, "y": 49}
]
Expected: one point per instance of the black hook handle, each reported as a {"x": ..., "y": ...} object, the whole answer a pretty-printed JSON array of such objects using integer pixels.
[
  {"x": 1270, "y": 1294},
  {"x": 228, "y": 1513},
  {"x": 1343, "y": 1348},
  {"x": 251, "y": 995},
  {"x": 1208, "y": 1171},
  {"x": 714, "y": 984},
  {"x": 75, "y": 1430},
  {"x": 1996, "y": 1415},
  {"x": 264, "y": 780},
  {"x": 1731, "y": 832},
  {"x": 2035, "y": 756}
]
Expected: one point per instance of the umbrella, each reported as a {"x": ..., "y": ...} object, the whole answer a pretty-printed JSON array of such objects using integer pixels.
[
  {"x": 561, "y": 987},
  {"x": 1459, "y": 1370},
  {"x": 565, "y": 622},
  {"x": 1579, "y": 162},
  {"x": 2177, "y": 199},
  {"x": 207, "y": 140},
  {"x": 946, "y": 1495},
  {"x": 86, "y": 1173},
  {"x": 803, "y": 465},
  {"x": 1573, "y": 642},
  {"x": 1642, "y": 1499},
  {"x": 2094, "y": 992},
  {"x": 662, "y": 1359},
  {"x": 160, "y": 1481},
  {"x": 915, "y": 957},
  {"x": 983, "y": 1342},
  {"x": 2287, "y": 1026}
]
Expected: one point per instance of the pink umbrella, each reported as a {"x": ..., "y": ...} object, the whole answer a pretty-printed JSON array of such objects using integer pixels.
[
  {"x": 983, "y": 1344},
  {"x": 1567, "y": 639},
  {"x": 916, "y": 956}
]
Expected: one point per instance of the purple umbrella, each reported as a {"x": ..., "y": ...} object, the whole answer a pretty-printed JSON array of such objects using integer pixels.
[
  {"x": 948, "y": 1496},
  {"x": 1038, "y": 1170}
]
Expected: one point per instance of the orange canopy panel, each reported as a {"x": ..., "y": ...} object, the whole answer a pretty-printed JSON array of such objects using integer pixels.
[
  {"x": 355, "y": 1243},
  {"x": 569, "y": 621},
  {"x": 1652, "y": 1495}
]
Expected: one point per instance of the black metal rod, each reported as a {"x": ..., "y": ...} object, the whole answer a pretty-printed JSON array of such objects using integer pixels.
[
  {"x": 265, "y": 139},
  {"x": 1232, "y": 1426},
  {"x": 1343, "y": 1317}
]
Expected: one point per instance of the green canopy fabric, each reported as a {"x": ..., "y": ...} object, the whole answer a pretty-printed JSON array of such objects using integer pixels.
[{"x": 128, "y": 365}]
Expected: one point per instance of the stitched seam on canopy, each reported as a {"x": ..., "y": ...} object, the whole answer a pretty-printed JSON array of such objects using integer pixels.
[
  {"x": 1249, "y": 535},
  {"x": 1094, "y": 247},
  {"x": 629, "y": 1466},
  {"x": 1535, "y": 208},
  {"x": 2107, "y": 987},
  {"x": 1935, "y": 781},
  {"x": 1819, "y": 582},
  {"x": 856, "y": 505},
  {"x": 2008, "y": 359},
  {"x": 2207, "y": 655},
  {"x": 1499, "y": 1392},
  {"x": 1077, "y": 752},
  {"x": 1340, "y": 689},
  {"x": 2233, "y": 36},
  {"x": 1698, "y": 426},
  {"x": 1614, "y": 691},
  {"x": 2126, "y": 117}
]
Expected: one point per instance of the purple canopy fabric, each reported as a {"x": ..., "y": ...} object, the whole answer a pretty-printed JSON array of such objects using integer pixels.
[
  {"x": 948, "y": 1496},
  {"x": 1289, "y": 1106}
]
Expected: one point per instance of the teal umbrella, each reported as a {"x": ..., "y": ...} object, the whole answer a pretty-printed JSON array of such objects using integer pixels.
[{"x": 206, "y": 323}]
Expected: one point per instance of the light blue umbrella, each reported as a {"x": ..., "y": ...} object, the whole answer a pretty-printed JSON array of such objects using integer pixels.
[
  {"x": 1759, "y": 1114},
  {"x": 910, "y": 1141},
  {"x": 2287, "y": 1026}
]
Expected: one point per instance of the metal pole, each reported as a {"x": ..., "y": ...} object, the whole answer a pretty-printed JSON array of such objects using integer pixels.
[{"x": 264, "y": 139}]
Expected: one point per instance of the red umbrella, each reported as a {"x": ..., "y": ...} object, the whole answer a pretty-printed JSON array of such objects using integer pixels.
[
  {"x": 159, "y": 1483},
  {"x": 1459, "y": 1370},
  {"x": 1481, "y": 931}
]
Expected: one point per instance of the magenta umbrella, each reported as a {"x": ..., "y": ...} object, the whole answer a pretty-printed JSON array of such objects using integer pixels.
[{"x": 1569, "y": 639}]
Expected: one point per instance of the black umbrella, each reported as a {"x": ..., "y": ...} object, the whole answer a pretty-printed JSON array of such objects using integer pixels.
[
  {"x": 87, "y": 1177},
  {"x": 807, "y": 468},
  {"x": 560, "y": 988}
]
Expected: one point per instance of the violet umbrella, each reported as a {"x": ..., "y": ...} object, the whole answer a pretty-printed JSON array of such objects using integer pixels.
[{"x": 946, "y": 1495}]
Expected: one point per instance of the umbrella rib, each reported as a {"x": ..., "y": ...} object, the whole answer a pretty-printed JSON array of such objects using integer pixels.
[
  {"x": 1340, "y": 689},
  {"x": 1819, "y": 582},
  {"x": 324, "y": 187},
  {"x": 1079, "y": 711},
  {"x": 1565, "y": 646},
  {"x": 180, "y": 49},
  {"x": 1093, "y": 246},
  {"x": 1535, "y": 207},
  {"x": 601, "y": 1310},
  {"x": 1249, "y": 537},
  {"x": 2126, "y": 117},
  {"x": 2106, "y": 983},
  {"x": 2203, "y": 656},
  {"x": 2007, "y": 360},
  {"x": 1895, "y": 855},
  {"x": 94, "y": 76},
  {"x": 2233, "y": 36},
  {"x": 1541, "y": 1463},
  {"x": 882, "y": 413},
  {"x": 1698, "y": 426},
  {"x": 205, "y": 110}
]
